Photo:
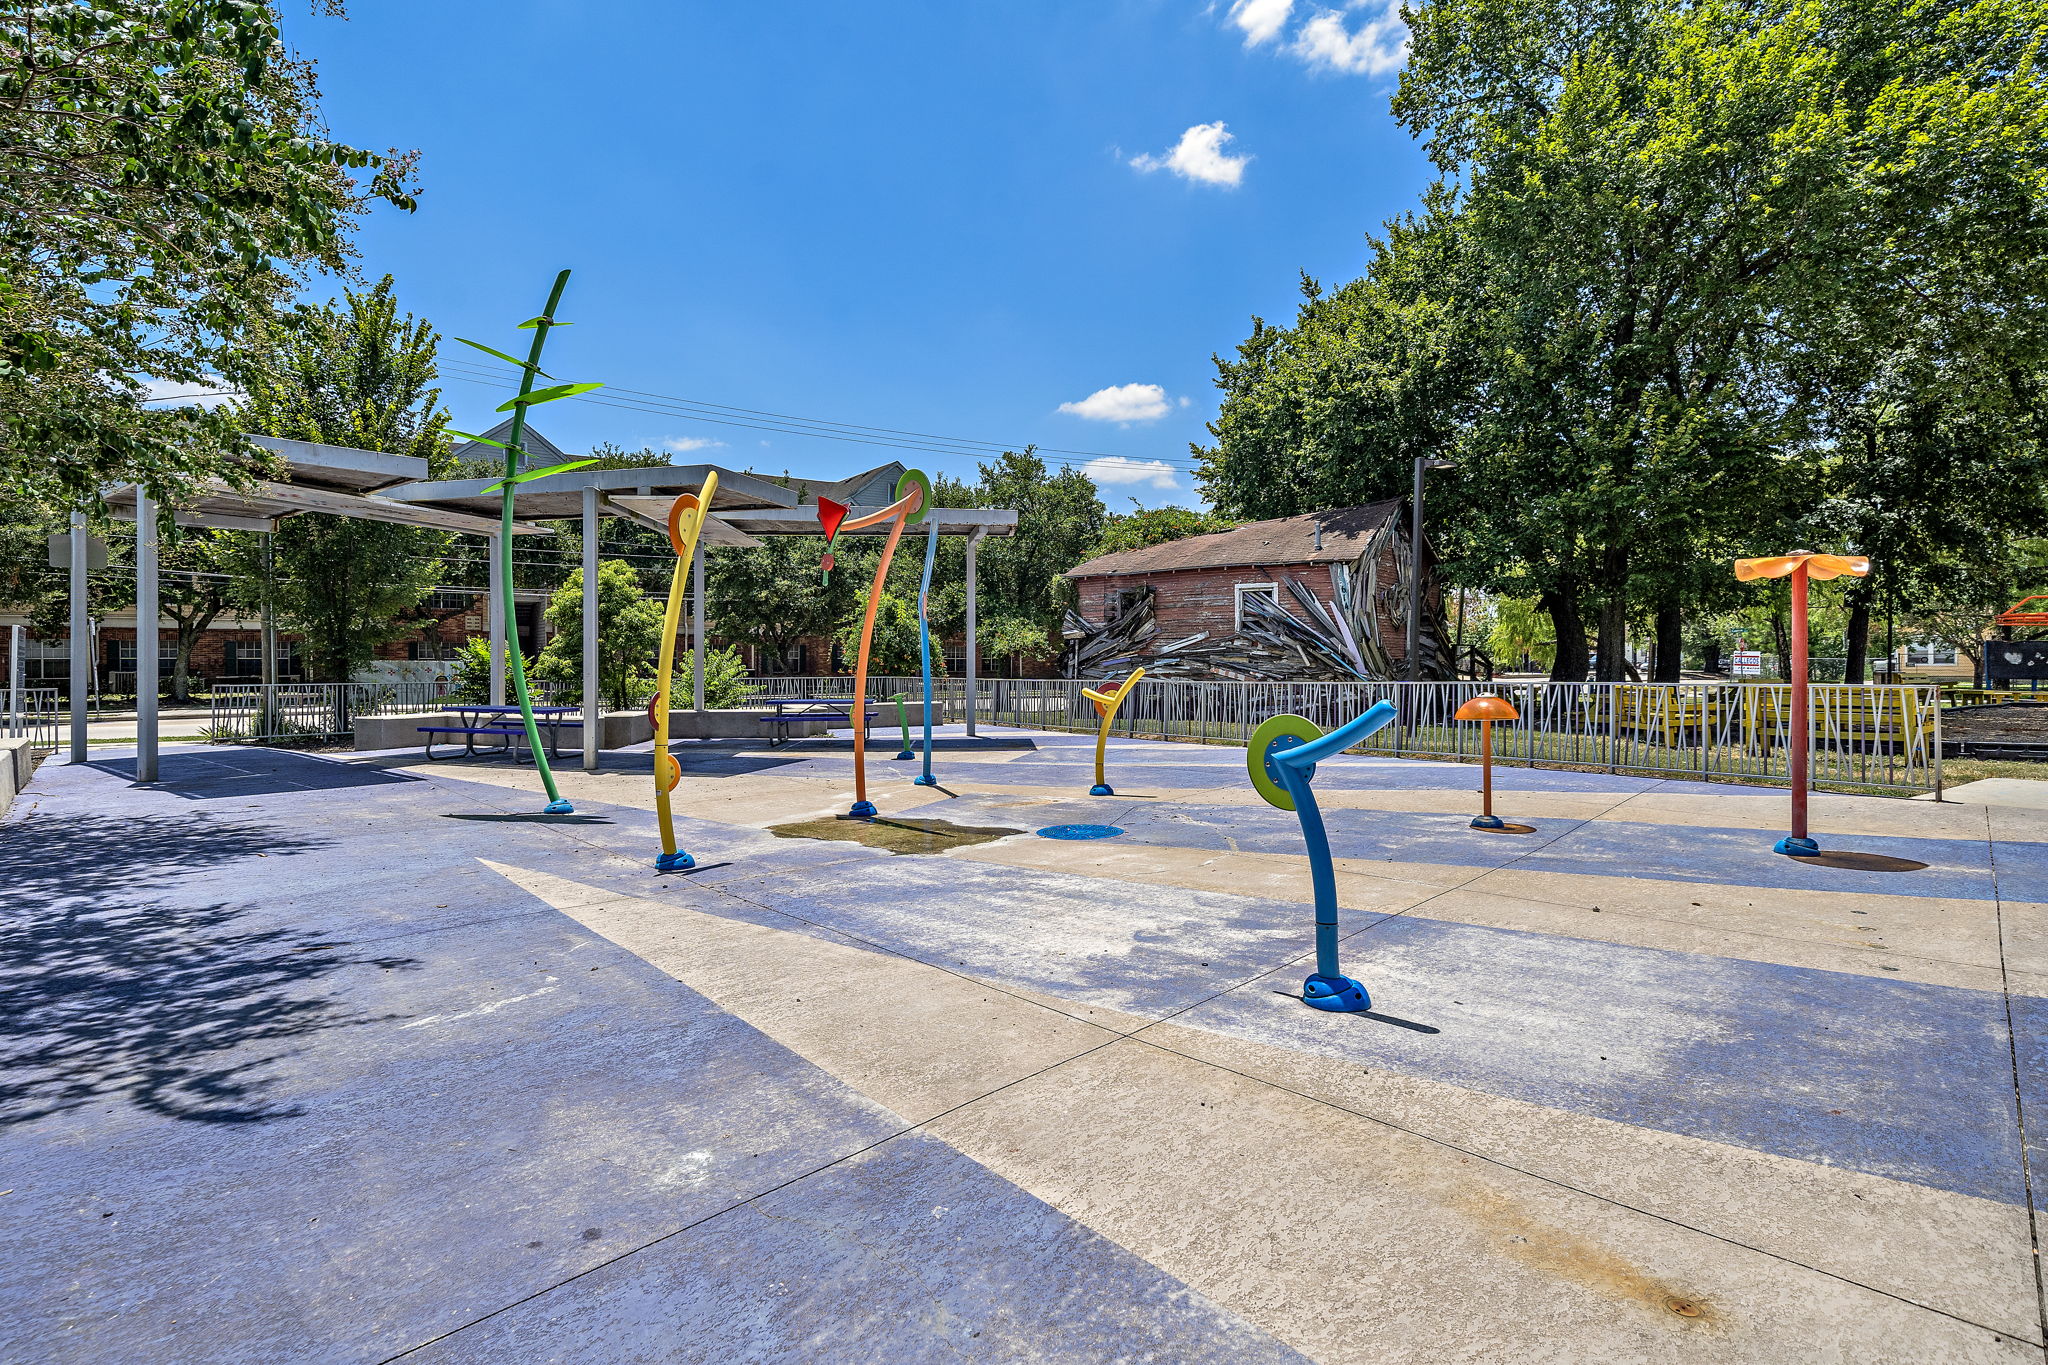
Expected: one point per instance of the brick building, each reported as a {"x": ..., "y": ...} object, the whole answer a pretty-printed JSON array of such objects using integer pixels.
[{"x": 1231, "y": 603}]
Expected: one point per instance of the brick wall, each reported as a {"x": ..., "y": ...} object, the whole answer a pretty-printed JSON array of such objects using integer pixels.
[{"x": 1186, "y": 601}]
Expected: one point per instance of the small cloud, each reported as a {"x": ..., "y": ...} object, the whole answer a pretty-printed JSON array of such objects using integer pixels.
[
  {"x": 685, "y": 444},
  {"x": 1199, "y": 156},
  {"x": 1118, "y": 471},
  {"x": 1261, "y": 20},
  {"x": 1377, "y": 46},
  {"x": 1182, "y": 400},
  {"x": 209, "y": 394},
  {"x": 1120, "y": 403}
]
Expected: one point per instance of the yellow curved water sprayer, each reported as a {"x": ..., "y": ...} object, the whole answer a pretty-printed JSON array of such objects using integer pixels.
[
  {"x": 685, "y": 521},
  {"x": 1106, "y": 704}
]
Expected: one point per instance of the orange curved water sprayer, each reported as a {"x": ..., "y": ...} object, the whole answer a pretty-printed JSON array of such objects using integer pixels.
[
  {"x": 908, "y": 507},
  {"x": 685, "y": 522}
]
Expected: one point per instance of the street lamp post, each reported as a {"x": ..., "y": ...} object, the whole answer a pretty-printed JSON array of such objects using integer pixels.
[{"x": 1414, "y": 660}]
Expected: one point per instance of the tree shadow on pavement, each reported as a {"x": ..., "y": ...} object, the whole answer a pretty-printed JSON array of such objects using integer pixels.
[{"x": 181, "y": 1009}]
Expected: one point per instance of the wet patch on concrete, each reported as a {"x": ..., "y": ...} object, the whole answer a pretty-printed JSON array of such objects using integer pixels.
[{"x": 894, "y": 834}]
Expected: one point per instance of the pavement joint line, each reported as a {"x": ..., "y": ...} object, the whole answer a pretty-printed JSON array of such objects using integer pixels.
[
  {"x": 1742, "y": 933},
  {"x": 2019, "y": 1103}
]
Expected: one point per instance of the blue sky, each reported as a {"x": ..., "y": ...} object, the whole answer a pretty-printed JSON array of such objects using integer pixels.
[{"x": 1002, "y": 222}]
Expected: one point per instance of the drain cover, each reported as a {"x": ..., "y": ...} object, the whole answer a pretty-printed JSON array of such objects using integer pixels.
[{"x": 1079, "y": 832}]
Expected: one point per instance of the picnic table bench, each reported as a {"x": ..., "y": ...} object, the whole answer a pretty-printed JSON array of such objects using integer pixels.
[
  {"x": 813, "y": 709},
  {"x": 502, "y": 722}
]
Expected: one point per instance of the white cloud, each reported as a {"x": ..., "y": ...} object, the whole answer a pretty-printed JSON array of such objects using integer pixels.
[
  {"x": 1199, "y": 156},
  {"x": 685, "y": 444},
  {"x": 1261, "y": 20},
  {"x": 210, "y": 394},
  {"x": 1118, "y": 471},
  {"x": 1121, "y": 403},
  {"x": 1377, "y": 46}
]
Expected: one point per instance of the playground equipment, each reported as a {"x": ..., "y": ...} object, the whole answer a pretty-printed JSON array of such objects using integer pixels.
[
  {"x": 1106, "y": 704},
  {"x": 1800, "y": 568},
  {"x": 1486, "y": 710},
  {"x": 1282, "y": 761},
  {"x": 685, "y": 521},
  {"x": 903, "y": 724},
  {"x": 924, "y": 625},
  {"x": 529, "y": 396},
  {"x": 913, "y": 500}
]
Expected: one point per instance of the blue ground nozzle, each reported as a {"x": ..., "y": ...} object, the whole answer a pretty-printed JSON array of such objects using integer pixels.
[
  {"x": 1792, "y": 846},
  {"x": 1488, "y": 822},
  {"x": 1102, "y": 789},
  {"x": 678, "y": 861},
  {"x": 559, "y": 806},
  {"x": 1338, "y": 994},
  {"x": 906, "y": 754},
  {"x": 924, "y": 780},
  {"x": 862, "y": 809}
]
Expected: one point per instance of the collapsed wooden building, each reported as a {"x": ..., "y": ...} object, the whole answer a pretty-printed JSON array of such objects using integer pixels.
[{"x": 1318, "y": 597}]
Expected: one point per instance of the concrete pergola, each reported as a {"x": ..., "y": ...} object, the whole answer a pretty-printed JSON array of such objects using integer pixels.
[
  {"x": 746, "y": 508},
  {"x": 334, "y": 480}
]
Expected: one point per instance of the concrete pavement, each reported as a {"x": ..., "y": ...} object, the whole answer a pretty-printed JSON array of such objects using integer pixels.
[{"x": 362, "y": 1060}]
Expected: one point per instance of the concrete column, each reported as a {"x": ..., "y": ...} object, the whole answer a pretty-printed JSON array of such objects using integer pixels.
[
  {"x": 697, "y": 633},
  {"x": 592, "y": 701},
  {"x": 269, "y": 648},
  {"x": 973, "y": 643},
  {"x": 497, "y": 618},
  {"x": 81, "y": 640},
  {"x": 16, "y": 675},
  {"x": 148, "y": 640}
]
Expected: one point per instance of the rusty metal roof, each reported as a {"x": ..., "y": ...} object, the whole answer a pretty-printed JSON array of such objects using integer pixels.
[{"x": 1284, "y": 540}]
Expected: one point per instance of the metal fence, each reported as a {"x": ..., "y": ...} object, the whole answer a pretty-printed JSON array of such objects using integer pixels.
[
  {"x": 1879, "y": 738},
  {"x": 256, "y": 712},
  {"x": 30, "y": 712}
]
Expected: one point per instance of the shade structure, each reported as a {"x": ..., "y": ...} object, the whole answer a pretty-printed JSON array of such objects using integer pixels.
[{"x": 1486, "y": 707}]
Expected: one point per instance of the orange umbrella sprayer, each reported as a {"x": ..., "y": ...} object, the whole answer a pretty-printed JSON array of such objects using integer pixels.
[
  {"x": 1486, "y": 710},
  {"x": 685, "y": 520},
  {"x": 1801, "y": 569},
  {"x": 913, "y": 500}
]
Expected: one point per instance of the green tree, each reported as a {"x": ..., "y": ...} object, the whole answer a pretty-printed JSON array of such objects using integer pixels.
[
  {"x": 628, "y": 634},
  {"x": 774, "y": 596},
  {"x": 893, "y": 652},
  {"x": 1059, "y": 521},
  {"x": 350, "y": 373},
  {"x": 1156, "y": 526},
  {"x": 165, "y": 180}
]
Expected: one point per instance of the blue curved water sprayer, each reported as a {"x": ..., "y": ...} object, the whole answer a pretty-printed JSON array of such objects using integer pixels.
[{"x": 1291, "y": 756}]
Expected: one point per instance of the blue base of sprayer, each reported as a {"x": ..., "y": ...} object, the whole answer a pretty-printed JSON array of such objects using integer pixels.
[
  {"x": 1792, "y": 846},
  {"x": 1488, "y": 822},
  {"x": 558, "y": 806},
  {"x": 673, "y": 862},
  {"x": 905, "y": 754},
  {"x": 1102, "y": 789},
  {"x": 862, "y": 810},
  {"x": 924, "y": 780},
  {"x": 1338, "y": 994}
]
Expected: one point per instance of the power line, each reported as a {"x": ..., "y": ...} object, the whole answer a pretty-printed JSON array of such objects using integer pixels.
[{"x": 961, "y": 447}]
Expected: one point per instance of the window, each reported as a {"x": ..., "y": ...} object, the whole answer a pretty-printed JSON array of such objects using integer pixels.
[
  {"x": 121, "y": 657},
  {"x": 1128, "y": 599},
  {"x": 1929, "y": 654},
  {"x": 1269, "y": 591},
  {"x": 450, "y": 599},
  {"x": 243, "y": 660}
]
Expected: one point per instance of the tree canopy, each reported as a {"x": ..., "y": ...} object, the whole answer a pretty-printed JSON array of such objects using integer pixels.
[
  {"x": 1701, "y": 278},
  {"x": 165, "y": 181}
]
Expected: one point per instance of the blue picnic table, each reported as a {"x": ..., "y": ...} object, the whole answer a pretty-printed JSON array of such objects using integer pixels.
[
  {"x": 505, "y": 721},
  {"x": 810, "y": 709}
]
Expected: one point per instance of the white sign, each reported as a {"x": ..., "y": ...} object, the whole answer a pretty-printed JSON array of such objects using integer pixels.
[{"x": 1749, "y": 663}]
